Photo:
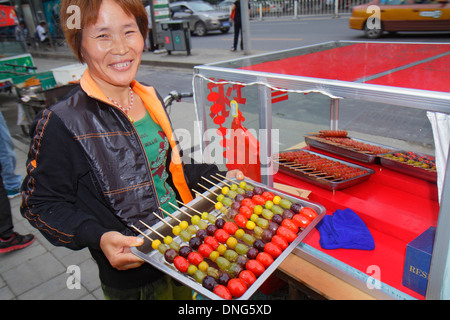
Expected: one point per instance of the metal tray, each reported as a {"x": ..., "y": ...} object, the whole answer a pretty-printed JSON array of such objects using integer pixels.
[
  {"x": 325, "y": 183},
  {"x": 156, "y": 259},
  {"x": 365, "y": 157},
  {"x": 403, "y": 167}
]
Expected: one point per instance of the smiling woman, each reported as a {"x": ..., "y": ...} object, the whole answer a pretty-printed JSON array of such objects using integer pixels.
[{"x": 105, "y": 158}]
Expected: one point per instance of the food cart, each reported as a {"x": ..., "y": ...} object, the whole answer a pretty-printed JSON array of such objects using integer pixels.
[{"x": 300, "y": 92}]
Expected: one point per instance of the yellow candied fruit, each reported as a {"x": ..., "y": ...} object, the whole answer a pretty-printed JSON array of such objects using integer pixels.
[
  {"x": 250, "y": 225},
  {"x": 276, "y": 199},
  {"x": 225, "y": 190},
  {"x": 213, "y": 255},
  {"x": 231, "y": 242},
  {"x": 218, "y": 205},
  {"x": 221, "y": 249},
  {"x": 176, "y": 230},
  {"x": 184, "y": 225},
  {"x": 239, "y": 233},
  {"x": 203, "y": 266},
  {"x": 195, "y": 219},
  {"x": 155, "y": 244},
  {"x": 205, "y": 215},
  {"x": 168, "y": 240},
  {"x": 242, "y": 184}
]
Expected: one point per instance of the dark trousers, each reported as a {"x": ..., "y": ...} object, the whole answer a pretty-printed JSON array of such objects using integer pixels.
[
  {"x": 237, "y": 30},
  {"x": 6, "y": 224}
]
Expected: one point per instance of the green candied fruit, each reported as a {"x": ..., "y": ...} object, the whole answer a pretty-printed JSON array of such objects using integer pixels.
[
  {"x": 241, "y": 248},
  {"x": 222, "y": 263},
  {"x": 285, "y": 203},
  {"x": 248, "y": 239},
  {"x": 199, "y": 275},
  {"x": 230, "y": 255}
]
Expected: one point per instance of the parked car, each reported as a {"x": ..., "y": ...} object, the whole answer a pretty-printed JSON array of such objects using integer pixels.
[
  {"x": 202, "y": 16},
  {"x": 226, "y": 4},
  {"x": 401, "y": 15}
]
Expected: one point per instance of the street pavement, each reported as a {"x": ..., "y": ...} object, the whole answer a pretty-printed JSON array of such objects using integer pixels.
[{"x": 42, "y": 271}]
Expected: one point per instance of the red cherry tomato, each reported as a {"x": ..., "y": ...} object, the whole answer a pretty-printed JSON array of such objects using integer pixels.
[
  {"x": 237, "y": 287},
  {"x": 221, "y": 235},
  {"x": 280, "y": 242},
  {"x": 267, "y": 195},
  {"x": 265, "y": 258},
  {"x": 212, "y": 242},
  {"x": 255, "y": 266},
  {"x": 247, "y": 202},
  {"x": 272, "y": 249},
  {"x": 195, "y": 258},
  {"x": 288, "y": 223},
  {"x": 286, "y": 234},
  {"x": 240, "y": 220},
  {"x": 301, "y": 221},
  {"x": 309, "y": 213},
  {"x": 223, "y": 292},
  {"x": 246, "y": 211},
  {"x": 205, "y": 250},
  {"x": 230, "y": 227},
  {"x": 181, "y": 264},
  {"x": 257, "y": 199},
  {"x": 248, "y": 276}
]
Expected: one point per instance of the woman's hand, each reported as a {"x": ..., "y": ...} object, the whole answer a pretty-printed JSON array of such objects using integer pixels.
[
  {"x": 116, "y": 248},
  {"x": 238, "y": 174}
]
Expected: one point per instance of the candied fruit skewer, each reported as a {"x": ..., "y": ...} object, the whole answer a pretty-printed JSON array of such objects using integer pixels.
[
  {"x": 167, "y": 240},
  {"x": 156, "y": 244},
  {"x": 195, "y": 219},
  {"x": 185, "y": 234}
]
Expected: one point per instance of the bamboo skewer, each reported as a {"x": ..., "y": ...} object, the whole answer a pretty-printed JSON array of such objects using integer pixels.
[
  {"x": 170, "y": 215},
  {"x": 225, "y": 178},
  {"x": 217, "y": 186},
  {"x": 151, "y": 229},
  {"x": 179, "y": 209},
  {"x": 195, "y": 210},
  {"x": 206, "y": 198},
  {"x": 164, "y": 221},
  {"x": 229, "y": 186},
  {"x": 142, "y": 233},
  {"x": 207, "y": 189}
]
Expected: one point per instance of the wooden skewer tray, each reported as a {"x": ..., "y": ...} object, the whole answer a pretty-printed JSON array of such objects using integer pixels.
[
  {"x": 321, "y": 179},
  {"x": 202, "y": 204}
]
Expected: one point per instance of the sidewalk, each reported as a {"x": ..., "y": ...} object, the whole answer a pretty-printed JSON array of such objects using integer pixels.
[{"x": 39, "y": 272}]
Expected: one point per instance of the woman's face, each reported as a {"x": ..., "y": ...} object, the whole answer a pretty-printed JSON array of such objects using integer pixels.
[{"x": 112, "y": 47}]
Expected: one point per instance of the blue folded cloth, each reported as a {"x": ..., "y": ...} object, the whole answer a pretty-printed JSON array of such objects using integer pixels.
[{"x": 344, "y": 229}]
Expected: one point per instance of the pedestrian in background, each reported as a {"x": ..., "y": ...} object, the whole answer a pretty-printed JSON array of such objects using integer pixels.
[
  {"x": 9, "y": 240},
  {"x": 20, "y": 35},
  {"x": 12, "y": 181},
  {"x": 42, "y": 36},
  {"x": 236, "y": 17}
]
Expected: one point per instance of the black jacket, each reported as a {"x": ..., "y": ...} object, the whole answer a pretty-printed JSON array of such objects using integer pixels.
[{"x": 87, "y": 173}]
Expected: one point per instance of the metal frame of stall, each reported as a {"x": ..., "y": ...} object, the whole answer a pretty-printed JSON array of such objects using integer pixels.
[{"x": 412, "y": 98}]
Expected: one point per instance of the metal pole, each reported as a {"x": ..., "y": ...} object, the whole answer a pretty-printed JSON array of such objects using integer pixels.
[
  {"x": 334, "y": 114},
  {"x": 245, "y": 26}
]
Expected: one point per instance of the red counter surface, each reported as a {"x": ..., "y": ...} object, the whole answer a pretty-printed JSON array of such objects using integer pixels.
[{"x": 395, "y": 207}]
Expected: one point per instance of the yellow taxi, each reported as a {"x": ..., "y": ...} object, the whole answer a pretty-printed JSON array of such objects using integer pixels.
[{"x": 378, "y": 16}]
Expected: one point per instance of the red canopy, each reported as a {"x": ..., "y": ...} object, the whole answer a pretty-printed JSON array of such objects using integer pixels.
[{"x": 7, "y": 16}]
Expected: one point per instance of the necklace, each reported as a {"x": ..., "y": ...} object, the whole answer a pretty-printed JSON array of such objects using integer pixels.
[{"x": 124, "y": 109}]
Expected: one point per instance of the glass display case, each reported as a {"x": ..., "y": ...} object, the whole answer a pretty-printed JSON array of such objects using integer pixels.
[{"x": 392, "y": 95}]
